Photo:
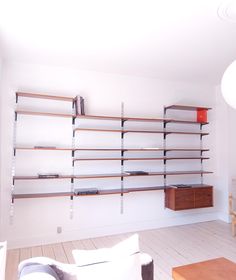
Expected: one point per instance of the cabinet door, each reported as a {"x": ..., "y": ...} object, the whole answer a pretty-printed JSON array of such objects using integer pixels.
[
  {"x": 184, "y": 199},
  {"x": 203, "y": 197}
]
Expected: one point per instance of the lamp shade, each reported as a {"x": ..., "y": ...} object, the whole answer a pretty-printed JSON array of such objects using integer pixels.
[{"x": 228, "y": 85}]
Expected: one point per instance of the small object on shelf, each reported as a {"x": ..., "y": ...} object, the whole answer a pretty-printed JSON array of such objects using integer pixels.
[
  {"x": 87, "y": 191},
  {"x": 201, "y": 115},
  {"x": 48, "y": 175},
  {"x": 79, "y": 105},
  {"x": 138, "y": 172},
  {"x": 181, "y": 186}
]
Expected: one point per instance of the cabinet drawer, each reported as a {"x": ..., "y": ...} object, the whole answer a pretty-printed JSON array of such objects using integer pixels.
[{"x": 203, "y": 197}]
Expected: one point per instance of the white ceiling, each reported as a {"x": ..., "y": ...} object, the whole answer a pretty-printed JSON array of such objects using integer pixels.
[{"x": 168, "y": 39}]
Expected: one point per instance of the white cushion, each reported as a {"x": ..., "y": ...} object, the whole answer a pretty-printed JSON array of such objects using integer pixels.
[
  {"x": 125, "y": 248},
  {"x": 126, "y": 268},
  {"x": 121, "y": 262}
]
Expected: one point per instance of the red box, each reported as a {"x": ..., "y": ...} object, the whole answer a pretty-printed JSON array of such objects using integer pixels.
[{"x": 201, "y": 115}]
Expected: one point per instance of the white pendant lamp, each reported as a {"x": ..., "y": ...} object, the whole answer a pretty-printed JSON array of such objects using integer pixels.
[{"x": 228, "y": 85}]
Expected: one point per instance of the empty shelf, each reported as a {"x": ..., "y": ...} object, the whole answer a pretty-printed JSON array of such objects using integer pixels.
[
  {"x": 34, "y": 113},
  {"x": 44, "y": 96},
  {"x": 187, "y": 108}
]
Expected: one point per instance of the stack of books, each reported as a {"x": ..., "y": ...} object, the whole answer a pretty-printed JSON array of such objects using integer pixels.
[
  {"x": 48, "y": 175},
  {"x": 79, "y": 105},
  {"x": 88, "y": 191},
  {"x": 138, "y": 172}
]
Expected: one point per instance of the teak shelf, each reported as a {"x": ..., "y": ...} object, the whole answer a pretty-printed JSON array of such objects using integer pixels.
[
  {"x": 197, "y": 189},
  {"x": 111, "y": 175}
]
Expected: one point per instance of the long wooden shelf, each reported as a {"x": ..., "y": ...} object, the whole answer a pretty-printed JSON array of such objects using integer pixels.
[
  {"x": 140, "y": 159},
  {"x": 187, "y": 108},
  {"x": 112, "y": 175},
  {"x": 46, "y": 114},
  {"x": 140, "y": 131},
  {"x": 41, "y": 195},
  {"x": 37, "y": 113},
  {"x": 112, "y": 149},
  {"x": 100, "y": 192},
  {"x": 134, "y": 119},
  {"x": 44, "y": 96}
]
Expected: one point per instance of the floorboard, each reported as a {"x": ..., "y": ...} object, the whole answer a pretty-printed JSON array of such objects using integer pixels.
[{"x": 172, "y": 246}]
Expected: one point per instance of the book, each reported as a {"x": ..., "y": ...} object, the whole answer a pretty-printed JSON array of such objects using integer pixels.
[
  {"x": 86, "y": 191},
  {"x": 48, "y": 175},
  {"x": 179, "y": 186},
  {"x": 138, "y": 172},
  {"x": 79, "y": 105}
]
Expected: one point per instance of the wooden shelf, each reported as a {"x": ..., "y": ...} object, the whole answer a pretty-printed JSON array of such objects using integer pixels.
[
  {"x": 141, "y": 131},
  {"x": 41, "y": 195},
  {"x": 44, "y": 96},
  {"x": 36, "y": 113},
  {"x": 140, "y": 159},
  {"x": 186, "y": 108},
  {"x": 134, "y": 119},
  {"x": 112, "y": 175},
  {"x": 46, "y": 114},
  {"x": 111, "y": 149},
  {"x": 100, "y": 192}
]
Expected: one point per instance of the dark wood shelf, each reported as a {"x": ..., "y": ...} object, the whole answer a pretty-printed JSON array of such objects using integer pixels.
[
  {"x": 134, "y": 119},
  {"x": 112, "y": 175},
  {"x": 140, "y": 159},
  {"x": 187, "y": 108},
  {"x": 44, "y": 96},
  {"x": 112, "y": 149},
  {"x": 41, "y": 195},
  {"x": 50, "y": 114},
  {"x": 141, "y": 131},
  {"x": 46, "y": 114},
  {"x": 100, "y": 192}
]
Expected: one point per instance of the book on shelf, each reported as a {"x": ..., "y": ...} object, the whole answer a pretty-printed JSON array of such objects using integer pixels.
[
  {"x": 138, "y": 172},
  {"x": 48, "y": 175},
  {"x": 85, "y": 191},
  {"x": 181, "y": 186},
  {"x": 79, "y": 105}
]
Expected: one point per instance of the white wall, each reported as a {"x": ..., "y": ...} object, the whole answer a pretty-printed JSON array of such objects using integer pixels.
[
  {"x": 1, "y": 70},
  {"x": 36, "y": 220}
]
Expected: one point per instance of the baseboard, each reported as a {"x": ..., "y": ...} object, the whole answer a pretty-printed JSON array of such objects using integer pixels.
[
  {"x": 225, "y": 217},
  {"x": 112, "y": 229}
]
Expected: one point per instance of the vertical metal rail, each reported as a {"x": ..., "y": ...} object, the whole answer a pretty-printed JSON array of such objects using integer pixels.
[
  {"x": 13, "y": 168},
  {"x": 201, "y": 152},
  {"x": 122, "y": 161},
  {"x": 72, "y": 187},
  {"x": 164, "y": 147}
]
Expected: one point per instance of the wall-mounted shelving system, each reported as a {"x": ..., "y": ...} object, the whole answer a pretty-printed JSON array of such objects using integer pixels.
[{"x": 122, "y": 158}]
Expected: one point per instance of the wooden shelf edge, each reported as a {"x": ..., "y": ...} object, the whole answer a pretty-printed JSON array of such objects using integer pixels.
[
  {"x": 141, "y": 131},
  {"x": 113, "y": 175},
  {"x": 100, "y": 192},
  {"x": 140, "y": 159},
  {"x": 35, "y": 113},
  {"x": 186, "y": 107},
  {"x": 113, "y": 149},
  {"x": 44, "y": 96}
]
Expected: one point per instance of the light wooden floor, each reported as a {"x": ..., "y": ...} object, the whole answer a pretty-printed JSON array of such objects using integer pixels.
[{"x": 169, "y": 247}]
